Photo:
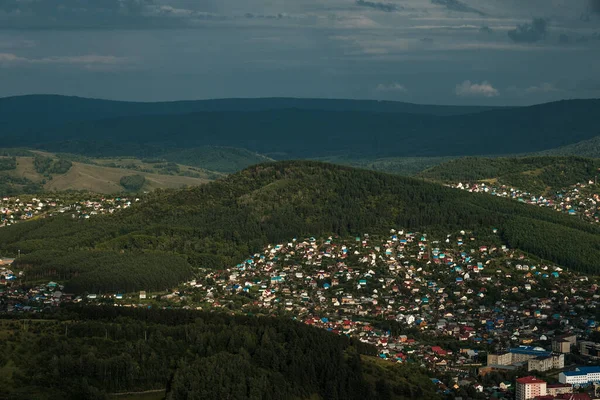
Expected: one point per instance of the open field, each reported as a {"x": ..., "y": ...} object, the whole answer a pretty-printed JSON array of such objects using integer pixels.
[
  {"x": 106, "y": 179},
  {"x": 104, "y": 175}
]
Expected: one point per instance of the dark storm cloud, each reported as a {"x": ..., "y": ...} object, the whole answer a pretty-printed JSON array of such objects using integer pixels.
[
  {"x": 595, "y": 6},
  {"x": 529, "y": 33},
  {"x": 486, "y": 29},
  {"x": 455, "y": 5},
  {"x": 387, "y": 7}
]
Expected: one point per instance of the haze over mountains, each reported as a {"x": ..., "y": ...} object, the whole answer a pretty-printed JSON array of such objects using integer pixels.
[{"x": 293, "y": 128}]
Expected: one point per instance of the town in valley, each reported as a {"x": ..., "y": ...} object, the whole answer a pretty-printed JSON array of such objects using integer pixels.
[{"x": 482, "y": 318}]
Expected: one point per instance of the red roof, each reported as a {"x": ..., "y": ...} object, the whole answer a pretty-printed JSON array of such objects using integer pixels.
[
  {"x": 576, "y": 396},
  {"x": 529, "y": 379}
]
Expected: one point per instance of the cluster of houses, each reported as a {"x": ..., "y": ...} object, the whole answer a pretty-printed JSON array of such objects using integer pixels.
[
  {"x": 17, "y": 209},
  {"x": 580, "y": 199},
  {"x": 15, "y": 297},
  {"x": 455, "y": 303},
  {"x": 485, "y": 298}
]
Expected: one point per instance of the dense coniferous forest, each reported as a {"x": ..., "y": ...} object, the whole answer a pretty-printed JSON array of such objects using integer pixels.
[
  {"x": 87, "y": 353},
  {"x": 219, "y": 224}
]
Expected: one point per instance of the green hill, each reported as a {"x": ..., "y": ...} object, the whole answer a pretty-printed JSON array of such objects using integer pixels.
[
  {"x": 535, "y": 174},
  {"x": 408, "y": 166},
  {"x": 219, "y": 224},
  {"x": 586, "y": 148},
  {"x": 89, "y": 353},
  {"x": 34, "y": 172}
]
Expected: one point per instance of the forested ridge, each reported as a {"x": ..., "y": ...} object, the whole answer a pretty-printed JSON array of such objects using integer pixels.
[
  {"x": 89, "y": 352},
  {"x": 536, "y": 174},
  {"x": 219, "y": 224}
]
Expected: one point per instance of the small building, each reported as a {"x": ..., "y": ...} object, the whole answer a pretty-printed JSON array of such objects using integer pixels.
[{"x": 142, "y": 295}]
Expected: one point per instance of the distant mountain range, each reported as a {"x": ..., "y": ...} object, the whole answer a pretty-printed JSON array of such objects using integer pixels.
[
  {"x": 357, "y": 132},
  {"x": 39, "y": 110}
]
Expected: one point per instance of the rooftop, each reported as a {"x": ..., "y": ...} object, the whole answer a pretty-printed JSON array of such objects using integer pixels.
[
  {"x": 583, "y": 371},
  {"x": 529, "y": 379}
]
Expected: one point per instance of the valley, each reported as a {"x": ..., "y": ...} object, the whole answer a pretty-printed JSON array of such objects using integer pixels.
[{"x": 406, "y": 266}]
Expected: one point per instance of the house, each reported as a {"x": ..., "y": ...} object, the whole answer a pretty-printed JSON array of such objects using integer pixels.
[{"x": 142, "y": 295}]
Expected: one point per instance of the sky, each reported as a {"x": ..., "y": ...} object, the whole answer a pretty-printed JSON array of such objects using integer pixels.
[{"x": 487, "y": 52}]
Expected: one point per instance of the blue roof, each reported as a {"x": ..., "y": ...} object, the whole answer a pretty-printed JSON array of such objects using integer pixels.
[
  {"x": 583, "y": 371},
  {"x": 530, "y": 351}
]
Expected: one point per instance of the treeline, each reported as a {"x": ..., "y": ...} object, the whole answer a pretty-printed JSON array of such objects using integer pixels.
[
  {"x": 87, "y": 353},
  {"x": 219, "y": 224},
  {"x": 14, "y": 186},
  {"x": 535, "y": 174},
  {"x": 101, "y": 271},
  {"x": 47, "y": 165}
]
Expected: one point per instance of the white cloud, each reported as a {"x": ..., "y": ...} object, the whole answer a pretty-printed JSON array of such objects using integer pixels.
[
  {"x": 392, "y": 87},
  {"x": 470, "y": 89}
]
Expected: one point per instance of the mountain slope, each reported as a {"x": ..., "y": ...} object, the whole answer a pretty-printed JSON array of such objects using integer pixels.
[
  {"x": 297, "y": 133},
  {"x": 586, "y": 148},
  {"x": 221, "y": 159},
  {"x": 219, "y": 224},
  {"x": 535, "y": 174},
  {"x": 195, "y": 356},
  {"x": 24, "y": 177}
]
